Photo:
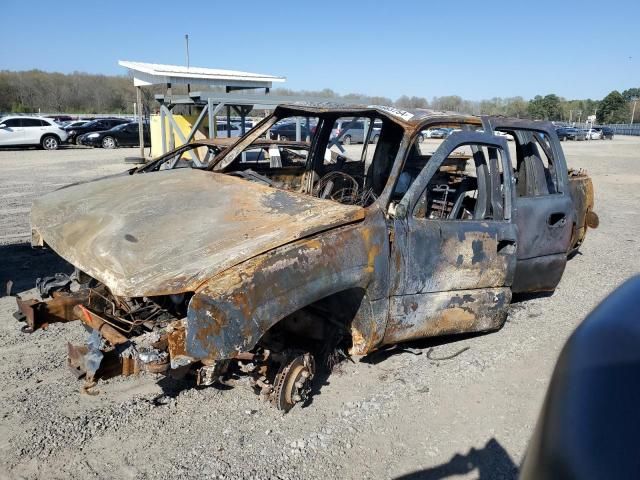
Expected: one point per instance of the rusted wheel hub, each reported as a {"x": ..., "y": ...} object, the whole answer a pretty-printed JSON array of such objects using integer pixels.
[{"x": 293, "y": 382}]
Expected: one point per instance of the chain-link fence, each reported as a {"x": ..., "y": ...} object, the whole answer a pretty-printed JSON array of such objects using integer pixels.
[
  {"x": 625, "y": 128},
  {"x": 618, "y": 128}
]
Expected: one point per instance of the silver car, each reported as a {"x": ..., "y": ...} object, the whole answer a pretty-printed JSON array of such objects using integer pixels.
[{"x": 349, "y": 131}]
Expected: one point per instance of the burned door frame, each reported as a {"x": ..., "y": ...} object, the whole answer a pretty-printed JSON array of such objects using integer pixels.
[
  {"x": 545, "y": 220},
  {"x": 453, "y": 276}
]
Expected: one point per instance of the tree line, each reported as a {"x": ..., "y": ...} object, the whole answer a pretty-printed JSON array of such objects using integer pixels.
[{"x": 37, "y": 91}]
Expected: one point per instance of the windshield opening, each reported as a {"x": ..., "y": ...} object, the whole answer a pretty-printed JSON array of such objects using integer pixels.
[{"x": 341, "y": 158}]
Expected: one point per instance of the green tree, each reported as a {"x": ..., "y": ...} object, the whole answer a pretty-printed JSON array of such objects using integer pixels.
[
  {"x": 613, "y": 109},
  {"x": 449, "y": 103},
  {"x": 403, "y": 102},
  {"x": 631, "y": 93},
  {"x": 548, "y": 107},
  {"x": 536, "y": 108},
  {"x": 516, "y": 107},
  {"x": 552, "y": 107},
  {"x": 411, "y": 102}
]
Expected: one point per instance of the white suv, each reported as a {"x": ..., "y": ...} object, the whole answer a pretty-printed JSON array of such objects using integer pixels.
[{"x": 22, "y": 130}]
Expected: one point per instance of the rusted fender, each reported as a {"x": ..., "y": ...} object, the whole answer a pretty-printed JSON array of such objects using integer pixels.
[
  {"x": 232, "y": 311},
  {"x": 581, "y": 189}
]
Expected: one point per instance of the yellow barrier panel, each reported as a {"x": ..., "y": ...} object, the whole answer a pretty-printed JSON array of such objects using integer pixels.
[{"x": 185, "y": 122}]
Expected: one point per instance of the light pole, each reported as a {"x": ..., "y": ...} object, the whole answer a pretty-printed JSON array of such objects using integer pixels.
[
  {"x": 633, "y": 111},
  {"x": 186, "y": 39}
]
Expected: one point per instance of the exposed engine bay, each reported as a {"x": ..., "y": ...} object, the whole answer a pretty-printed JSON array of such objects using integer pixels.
[{"x": 127, "y": 336}]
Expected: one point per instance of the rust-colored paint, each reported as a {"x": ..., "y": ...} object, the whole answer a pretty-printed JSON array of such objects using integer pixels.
[
  {"x": 94, "y": 321},
  {"x": 59, "y": 308},
  {"x": 176, "y": 340},
  {"x": 581, "y": 188},
  {"x": 445, "y": 313}
]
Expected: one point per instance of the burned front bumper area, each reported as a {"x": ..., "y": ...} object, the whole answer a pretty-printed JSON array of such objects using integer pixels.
[{"x": 126, "y": 335}]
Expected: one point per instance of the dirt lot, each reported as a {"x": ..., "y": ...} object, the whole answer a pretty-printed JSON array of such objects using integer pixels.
[{"x": 396, "y": 413}]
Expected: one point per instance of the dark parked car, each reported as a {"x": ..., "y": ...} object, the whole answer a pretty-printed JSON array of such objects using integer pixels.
[
  {"x": 287, "y": 131},
  {"x": 97, "y": 125},
  {"x": 60, "y": 118},
  {"x": 124, "y": 135},
  {"x": 571, "y": 133},
  {"x": 440, "y": 132},
  {"x": 607, "y": 133}
]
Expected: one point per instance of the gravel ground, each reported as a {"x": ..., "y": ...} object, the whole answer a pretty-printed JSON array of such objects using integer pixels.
[{"x": 397, "y": 413}]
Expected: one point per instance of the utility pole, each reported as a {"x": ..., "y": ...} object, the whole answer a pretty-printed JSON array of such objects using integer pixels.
[
  {"x": 633, "y": 112},
  {"x": 186, "y": 39}
]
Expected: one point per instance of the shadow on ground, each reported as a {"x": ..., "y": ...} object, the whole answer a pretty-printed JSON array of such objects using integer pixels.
[
  {"x": 22, "y": 264},
  {"x": 491, "y": 462},
  {"x": 418, "y": 347},
  {"x": 525, "y": 297}
]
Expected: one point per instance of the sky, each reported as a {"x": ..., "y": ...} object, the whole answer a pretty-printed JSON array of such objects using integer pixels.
[{"x": 474, "y": 49}]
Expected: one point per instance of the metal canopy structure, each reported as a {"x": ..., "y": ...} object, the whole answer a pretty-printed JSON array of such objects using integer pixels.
[
  {"x": 147, "y": 74},
  {"x": 212, "y": 104},
  {"x": 256, "y": 101}
]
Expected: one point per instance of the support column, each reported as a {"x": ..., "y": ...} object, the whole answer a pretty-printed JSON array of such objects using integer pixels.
[
  {"x": 140, "y": 122},
  {"x": 163, "y": 130},
  {"x": 210, "y": 112},
  {"x": 172, "y": 139}
]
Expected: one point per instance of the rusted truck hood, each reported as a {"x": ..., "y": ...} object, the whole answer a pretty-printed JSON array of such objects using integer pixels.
[{"x": 167, "y": 232}]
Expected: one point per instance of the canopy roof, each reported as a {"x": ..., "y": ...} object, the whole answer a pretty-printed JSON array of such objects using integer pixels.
[{"x": 145, "y": 74}]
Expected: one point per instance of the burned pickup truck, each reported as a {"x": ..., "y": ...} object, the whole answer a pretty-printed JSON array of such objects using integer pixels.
[{"x": 261, "y": 270}]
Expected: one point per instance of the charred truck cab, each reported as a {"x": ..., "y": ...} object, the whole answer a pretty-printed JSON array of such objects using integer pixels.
[{"x": 263, "y": 263}]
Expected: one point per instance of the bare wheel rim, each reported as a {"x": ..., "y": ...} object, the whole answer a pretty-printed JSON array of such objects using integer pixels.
[
  {"x": 293, "y": 383},
  {"x": 108, "y": 142},
  {"x": 50, "y": 143}
]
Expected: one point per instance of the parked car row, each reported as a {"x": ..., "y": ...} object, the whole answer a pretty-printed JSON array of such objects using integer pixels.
[
  {"x": 595, "y": 133},
  {"x": 28, "y": 131},
  {"x": 48, "y": 133},
  {"x": 287, "y": 130},
  {"x": 439, "y": 132},
  {"x": 345, "y": 130}
]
